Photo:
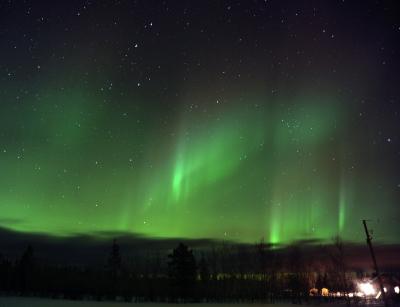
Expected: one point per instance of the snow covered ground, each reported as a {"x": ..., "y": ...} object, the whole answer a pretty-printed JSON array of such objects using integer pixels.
[{"x": 39, "y": 302}]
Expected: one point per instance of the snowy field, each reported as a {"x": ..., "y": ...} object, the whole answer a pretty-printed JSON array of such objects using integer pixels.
[{"x": 38, "y": 302}]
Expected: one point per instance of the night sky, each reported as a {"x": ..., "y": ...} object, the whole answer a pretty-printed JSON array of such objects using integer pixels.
[{"x": 229, "y": 120}]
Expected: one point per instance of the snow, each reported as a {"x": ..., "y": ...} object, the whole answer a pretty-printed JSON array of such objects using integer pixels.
[{"x": 42, "y": 302}]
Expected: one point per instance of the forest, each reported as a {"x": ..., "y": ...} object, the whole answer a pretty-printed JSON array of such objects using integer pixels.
[{"x": 220, "y": 273}]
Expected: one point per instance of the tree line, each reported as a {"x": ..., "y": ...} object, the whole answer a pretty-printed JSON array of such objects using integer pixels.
[{"x": 221, "y": 273}]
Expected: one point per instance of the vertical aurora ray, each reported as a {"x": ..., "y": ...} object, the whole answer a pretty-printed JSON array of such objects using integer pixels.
[
  {"x": 243, "y": 176},
  {"x": 299, "y": 196},
  {"x": 275, "y": 223},
  {"x": 206, "y": 158},
  {"x": 342, "y": 206},
  {"x": 177, "y": 180},
  {"x": 346, "y": 201}
]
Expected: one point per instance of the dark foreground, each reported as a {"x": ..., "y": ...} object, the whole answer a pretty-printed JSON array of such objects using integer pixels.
[{"x": 41, "y": 302}]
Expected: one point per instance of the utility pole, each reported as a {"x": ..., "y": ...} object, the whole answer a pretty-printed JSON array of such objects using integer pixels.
[{"x": 371, "y": 250}]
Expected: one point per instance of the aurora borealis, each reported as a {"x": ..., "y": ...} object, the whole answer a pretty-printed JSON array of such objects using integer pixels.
[{"x": 233, "y": 120}]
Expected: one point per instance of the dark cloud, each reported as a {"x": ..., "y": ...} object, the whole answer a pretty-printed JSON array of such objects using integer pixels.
[
  {"x": 82, "y": 248},
  {"x": 93, "y": 249}
]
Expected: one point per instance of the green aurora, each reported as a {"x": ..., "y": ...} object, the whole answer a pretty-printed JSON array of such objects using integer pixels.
[
  {"x": 228, "y": 120},
  {"x": 241, "y": 174}
]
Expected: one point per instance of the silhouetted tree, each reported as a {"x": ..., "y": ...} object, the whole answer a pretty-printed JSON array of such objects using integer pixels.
[
  {"x": 5, "y": 274},
  {"x": 114, "y": 265},
  {"x": 204, "y": 273},
  {"x": 114, "y": 260},
  {"x": 298, "y": 279},
  {"x": 26, "y": 266},
  {"x": 182, "y": 270},
  {"x": 261, "y": 254},
  {"x": 203, "y": 269},
  {"x": 340, "y": 267}
]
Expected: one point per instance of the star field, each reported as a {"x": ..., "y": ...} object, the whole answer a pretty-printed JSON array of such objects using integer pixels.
[{"x": 231, "y": 120}]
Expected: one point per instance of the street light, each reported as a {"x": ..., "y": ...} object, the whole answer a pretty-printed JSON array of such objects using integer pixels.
[{"x": 367, "y": 288}]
